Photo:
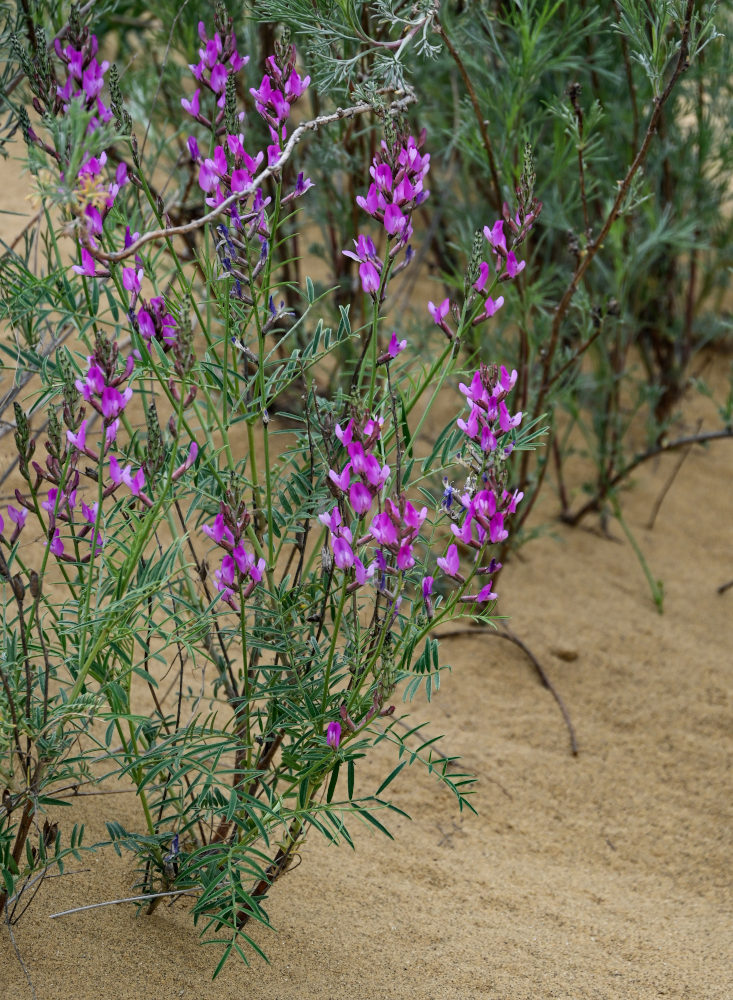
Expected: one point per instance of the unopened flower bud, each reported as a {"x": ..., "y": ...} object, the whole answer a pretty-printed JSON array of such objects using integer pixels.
[
  {"x": 346, "y": 718},
  {"x": 18, "y": 588}
]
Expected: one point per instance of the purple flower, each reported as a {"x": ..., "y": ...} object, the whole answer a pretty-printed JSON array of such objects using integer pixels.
[
  {"x": 360, "y": 498},
  {"x": 218, "y": 79},
  {"x": 19, "y": 516},
  {"x": 496, "y": 236},
  {"x": 516, "y": 497},
  {"x": 493, "y": 307},
  {"x": 113, "y": 401},
  {"x": 373, "y": 201},
  {"x": 395, "y": 346},
  {"x": 488, "y": 439},
  {"x": 132, "y": 279},
  {"x": 191, "y": 455},
  {"x": 450, "y": 564},
  {"x": 78, "y": 440},
  {"x": 49, "y": 503},
  {"x": 302, "y": 184},
  {"x": 341, "y": 481},
  {"x": 343, "y": 554},
  {"x": 363, "y": 573},
  {"x": 367, "y": 466},
  {"x": 365, "y": 249},
  {"x": 89, "y": 513},
  {"x": 476, "y": 392},
  {"x": 110, "y": 435},
  {"x": 345, "y": 436},
  {"x": 405, "y": 558},
  {"x": 263, "y": 95},
  {"x": 219, "y": 532},
  {"x": 483, "y": 276},
  {"x": 57, "y": 546},
  {"x": 464, "y": 533},
  {"x": 505, "y": 421},
  {"x": 241, "y": 179},
  {"x": 369, "y": 263},
  {"x": 93, "y": 220},
  {"x": 512, "y": 267},
  {"x": 208, "y": 176},
  {"x": 439, "y": 312},
  {"x": 383, "y": 530},
  {"x": 469, "y": 427},
  {"x": 413, "y": 518},
  {"x": 86, "y": 267},
  {"x": 245, "y": 563},
  {"x": 369, "y": 277},
  {"x": 145, "y": 324},
  {"x": 394, "y": 220},
  {"x": 497, "y": 531},
  {"x": 507, "y": 381},
  {"x": 382, "y": 174},
  {"x": 130, "y": 237},
  {"x": 94, "y": 382},
  {"x": 447, "y": 502},
  {"x": 295, "y": 87},
  {"x": 333, "y": 735},
  {"x": 119, "y": 475}
]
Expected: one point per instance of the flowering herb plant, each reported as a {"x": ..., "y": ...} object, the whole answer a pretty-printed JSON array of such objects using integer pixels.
[{"x": 203, "y": 507}]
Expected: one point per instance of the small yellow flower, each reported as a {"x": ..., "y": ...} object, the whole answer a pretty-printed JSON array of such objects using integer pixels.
[
  {"x": 45, "y": 184},
  {"x": 91, "y": 192}
]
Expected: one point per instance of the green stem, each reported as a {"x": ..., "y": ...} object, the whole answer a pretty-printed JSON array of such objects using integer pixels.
[
  {"x": 331, "y": 653},
  {"x": 244, "y": 704},
  {"x": 655, "y": 586}
]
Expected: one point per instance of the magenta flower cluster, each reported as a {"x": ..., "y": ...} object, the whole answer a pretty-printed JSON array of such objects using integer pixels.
[
  {"x": 506, "y": 267},
  {"x": 100, "y": 388},
  {"x": 98, "y": 197},
  {"x": 281, "y": 87},
  {"x": 230, "y": 169},
  {"x": 221, "y": 175},
  {"x": 94, "y": 192},
  {"x": 152, "y": 319},
  {"x": 239, "y": 571},
  {"x": 397, "y": 188},
  {"x": 103, "y": 389},
  {"x": 483, "y": 510},
  {"x": 218, "y": 58},
  {"x": 359, "y": 486},
  {"x": 85, "y": 79}
]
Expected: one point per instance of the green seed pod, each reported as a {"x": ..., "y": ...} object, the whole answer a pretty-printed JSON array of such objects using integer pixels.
[{"x": 155, "y": 452}]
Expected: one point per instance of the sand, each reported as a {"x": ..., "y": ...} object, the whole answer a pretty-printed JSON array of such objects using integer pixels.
[{"x": 599, "y": 876}]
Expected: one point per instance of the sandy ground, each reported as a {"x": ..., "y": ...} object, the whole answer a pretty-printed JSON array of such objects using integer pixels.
[{"x": 596, "y": 877}]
